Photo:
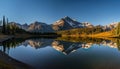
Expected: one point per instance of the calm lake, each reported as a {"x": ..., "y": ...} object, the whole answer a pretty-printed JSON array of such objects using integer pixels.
[{"x": 46, "y": 53}]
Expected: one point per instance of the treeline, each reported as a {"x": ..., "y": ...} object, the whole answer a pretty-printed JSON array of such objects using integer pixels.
[
  {"x": 39, "y": 33},
  {"x": 79, "y": 31},
  {"x": 9, "y": 29},
  {"x": 116, "y": 31}
]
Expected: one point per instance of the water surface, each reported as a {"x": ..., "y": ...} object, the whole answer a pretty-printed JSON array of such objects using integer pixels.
[{"x": 44, "y": 53}]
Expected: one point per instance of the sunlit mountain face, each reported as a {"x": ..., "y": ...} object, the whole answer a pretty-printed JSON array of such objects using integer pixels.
[{"x": 66, "y": 23}]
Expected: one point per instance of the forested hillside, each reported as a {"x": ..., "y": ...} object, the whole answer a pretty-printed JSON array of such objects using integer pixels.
[{"x": 80, "y": 31}]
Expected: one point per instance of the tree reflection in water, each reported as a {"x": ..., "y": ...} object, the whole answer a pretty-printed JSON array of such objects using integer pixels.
[{"x": 64, "y": 45}]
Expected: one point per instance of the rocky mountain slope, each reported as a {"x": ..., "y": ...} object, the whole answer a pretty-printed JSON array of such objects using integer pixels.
[
  {"x": 69, "y": 23},
  {"x": 64, "y": 23}
]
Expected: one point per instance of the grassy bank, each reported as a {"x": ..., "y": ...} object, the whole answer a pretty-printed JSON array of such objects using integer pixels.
[
  {"x": 104, "y": 35},
  {"x": 98, "y": 35}
]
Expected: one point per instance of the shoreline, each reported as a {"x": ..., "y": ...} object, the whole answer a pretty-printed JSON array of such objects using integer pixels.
[
  {"x": 5, "y": 37},
  {"x": 7, "y": 62},
  {"x": 98, "y": 35}
]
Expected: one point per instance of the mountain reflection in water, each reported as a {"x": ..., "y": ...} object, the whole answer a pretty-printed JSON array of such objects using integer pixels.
[
  {"x": 65, "y": 47},
  {"x": 65, "y": 53}
]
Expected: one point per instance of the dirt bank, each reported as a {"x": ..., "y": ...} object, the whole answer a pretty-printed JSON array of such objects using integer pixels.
[{"x": 6, "y": 62}]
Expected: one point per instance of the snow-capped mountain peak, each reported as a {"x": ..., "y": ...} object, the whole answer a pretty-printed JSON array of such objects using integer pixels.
[{"x": 69, "y": 23}]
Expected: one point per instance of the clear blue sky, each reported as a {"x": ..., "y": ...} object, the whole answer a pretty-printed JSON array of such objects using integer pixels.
[{"x": 48, "y": 11}]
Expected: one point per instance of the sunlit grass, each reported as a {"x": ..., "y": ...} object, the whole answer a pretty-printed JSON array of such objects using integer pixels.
[
  {"x": 107, "y": 34},
  {"x": 101, "y": 35}
]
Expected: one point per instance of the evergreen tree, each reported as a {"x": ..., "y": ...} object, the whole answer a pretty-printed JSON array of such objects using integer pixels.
[
  {"x": 7, "y": 27},
  {"x": 4, "y": 25},
  {"x": 0, "y": 26},
  {"x": 118, "y": 29}
]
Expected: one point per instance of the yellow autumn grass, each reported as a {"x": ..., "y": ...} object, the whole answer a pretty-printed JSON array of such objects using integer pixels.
[
  {"x": 102, "y": 35},
  {"x": 107, "y": 34}
]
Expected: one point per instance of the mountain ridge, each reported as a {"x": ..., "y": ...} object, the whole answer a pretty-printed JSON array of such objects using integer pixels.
[{"x": 65, "y": 23}]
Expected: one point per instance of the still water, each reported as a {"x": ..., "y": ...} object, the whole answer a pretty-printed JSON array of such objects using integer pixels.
[{"x": 44, "y": 53}]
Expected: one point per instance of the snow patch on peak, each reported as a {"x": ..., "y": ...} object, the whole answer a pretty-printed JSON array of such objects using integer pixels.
[{"x": 59, "y": 22}]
